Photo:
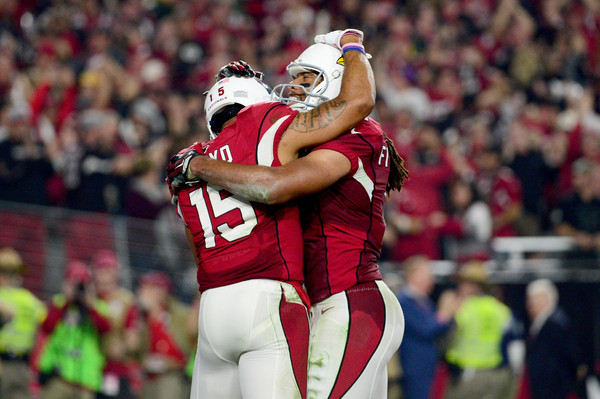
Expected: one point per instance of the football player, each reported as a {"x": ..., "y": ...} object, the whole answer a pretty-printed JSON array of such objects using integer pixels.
[
  {"x": 253, "y": 321},
  {"x": 356, "y": 321}
]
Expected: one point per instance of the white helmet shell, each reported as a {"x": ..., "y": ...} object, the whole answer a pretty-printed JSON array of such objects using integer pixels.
[
  {"x": 324, "y": 60},
  {"x": 230, "y": 91}
]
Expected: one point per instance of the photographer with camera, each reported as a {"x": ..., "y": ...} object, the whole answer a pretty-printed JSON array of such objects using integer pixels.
[{"x": 72, "y": 361}]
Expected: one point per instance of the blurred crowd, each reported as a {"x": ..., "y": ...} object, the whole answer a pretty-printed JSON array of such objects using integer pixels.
[
  {"x": 94, "y": 338},
  {"x": 493, "y": 104}
]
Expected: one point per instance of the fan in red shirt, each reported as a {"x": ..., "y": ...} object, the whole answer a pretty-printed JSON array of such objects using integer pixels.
[
  {"x": 502, "y": 189},
  {"x": 412, "y": 212}
]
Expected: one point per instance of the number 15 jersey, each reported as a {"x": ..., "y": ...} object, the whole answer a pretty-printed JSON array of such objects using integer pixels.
[{"x": 235, "y": 239}]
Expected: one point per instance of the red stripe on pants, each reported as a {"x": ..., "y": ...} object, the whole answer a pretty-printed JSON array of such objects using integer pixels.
[
  {"x": 367, "y": 321},
  {"x": 295, "y": 327}
]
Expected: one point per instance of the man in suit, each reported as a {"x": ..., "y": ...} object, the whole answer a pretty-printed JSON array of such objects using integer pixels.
[
  {"x": 551, "y": 348},
  {"x": 419, "y": 353}
]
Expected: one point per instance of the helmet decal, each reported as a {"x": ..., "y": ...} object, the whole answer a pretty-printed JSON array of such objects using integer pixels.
[{"x": 227, "y": 92}]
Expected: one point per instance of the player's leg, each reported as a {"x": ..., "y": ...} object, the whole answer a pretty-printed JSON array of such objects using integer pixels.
[
  {"x": 353, "y": 336},
  {"x": 275, "y": 365},
  {"x": 213, "y": 381},
  {"x": 373, "y": 381},
  {"x": 220, "y": 337},
  {"x": 328, "y": 338}
]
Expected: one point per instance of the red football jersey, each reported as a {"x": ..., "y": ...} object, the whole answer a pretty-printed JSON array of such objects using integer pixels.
[
  {"x": 235, "y": 239},
  {"x": 343, "y": 225}
]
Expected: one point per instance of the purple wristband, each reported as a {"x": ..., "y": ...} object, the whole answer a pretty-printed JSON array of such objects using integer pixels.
[{"x": 353, "y": 46}]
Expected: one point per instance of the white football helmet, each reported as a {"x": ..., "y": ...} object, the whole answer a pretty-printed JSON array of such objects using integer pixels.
[
  {"x": 324, "y": 60},
  {"x": 228, "y": 96}
]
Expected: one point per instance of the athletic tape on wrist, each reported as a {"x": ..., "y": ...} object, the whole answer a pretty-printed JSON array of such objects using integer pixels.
[
  {"x": 354, "y": 34},
  {"x": 187, "y": 169}
]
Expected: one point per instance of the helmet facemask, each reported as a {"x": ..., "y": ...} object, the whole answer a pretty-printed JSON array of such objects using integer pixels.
[
  {"x": 313, "y": 97},
  {"x": 321, "y": 59}
]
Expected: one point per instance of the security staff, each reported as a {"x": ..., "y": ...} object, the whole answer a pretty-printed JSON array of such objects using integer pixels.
[
  {"x": 21, "y": 314},
  {"x": 475, "y": 355}
]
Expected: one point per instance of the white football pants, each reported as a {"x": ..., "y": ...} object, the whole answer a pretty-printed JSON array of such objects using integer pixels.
[
  {"x": 353, "y": 337},
  {"x": 252, "y": 342}
]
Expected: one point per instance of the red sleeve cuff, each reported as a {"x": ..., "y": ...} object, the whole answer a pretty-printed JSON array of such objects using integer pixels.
[
  {"x": 101, "y": 322},
  {"x": 55, "y": 314},
  {"x": 344, "y": 150}
]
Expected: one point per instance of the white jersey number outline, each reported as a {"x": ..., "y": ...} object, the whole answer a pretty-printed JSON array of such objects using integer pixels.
[
  {"x": 220, "y": 206},
  {"x": 209, "y": 198}
]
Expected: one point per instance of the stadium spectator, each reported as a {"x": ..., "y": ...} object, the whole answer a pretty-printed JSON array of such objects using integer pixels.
[
  {"x": 476, "y": 355},
  {"x": 524, "y": 152},
  {"x": 146, "y": 196},
  {"x": 396, "y": 72},
  {"x": 97, "y": 173},
  {"x": 578, "y": 215},
  {"x": 501, "y": 190},
  {"x": 21, "y": 314},
  {"x": 25, "y": 168},
  {"x": 420, "y": 352},
  {"x": 72, "y": 360},
  {"x": 166, "y": 341},
  {"x": 552, "y": 356},
  {"x": 54, "y": 95},
  {"x": 413, "y": 214},
  {"x": 121, "y": 373},
  {"x": 467, "y": 228}
]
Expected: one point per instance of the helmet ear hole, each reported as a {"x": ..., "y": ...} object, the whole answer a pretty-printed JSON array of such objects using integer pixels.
[{"x": 219, "y": 119}]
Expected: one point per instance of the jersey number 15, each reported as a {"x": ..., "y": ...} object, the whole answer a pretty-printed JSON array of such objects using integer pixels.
[{"x": 211, "y": 205}]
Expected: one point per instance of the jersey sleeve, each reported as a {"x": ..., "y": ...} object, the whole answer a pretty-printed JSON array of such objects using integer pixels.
[
  {"x": 268, "y": 122},
  {"x": 343, "y": 145},
  {"x": 196, "y": 146}
]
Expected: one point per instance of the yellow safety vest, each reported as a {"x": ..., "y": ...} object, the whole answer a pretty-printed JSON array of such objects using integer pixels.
[
  {"x": 480, "y": 325},
  {"x": 17, "y": 336}
]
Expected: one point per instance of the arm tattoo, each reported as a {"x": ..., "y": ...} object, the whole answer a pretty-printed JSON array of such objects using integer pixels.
[
  {"x": 319, "y": 117},
  {"x": 247, "y": 189}
]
